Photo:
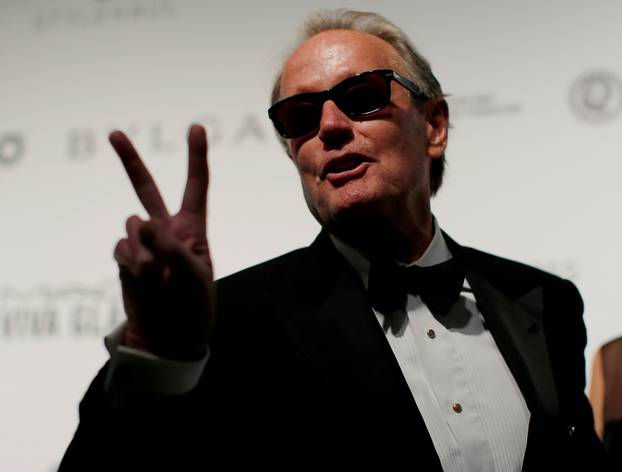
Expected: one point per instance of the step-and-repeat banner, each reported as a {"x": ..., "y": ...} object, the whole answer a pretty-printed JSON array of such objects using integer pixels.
[{"x": 535, "y": 160}]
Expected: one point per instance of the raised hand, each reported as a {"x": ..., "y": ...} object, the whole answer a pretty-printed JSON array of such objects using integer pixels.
[{"x": 164, "y": 262}]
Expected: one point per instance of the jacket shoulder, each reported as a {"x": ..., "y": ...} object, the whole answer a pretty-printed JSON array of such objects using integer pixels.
[
  {"x": 516, "y": 279},
  {"x": 266, "y": 272},
  {"x": 481, "y": 261}
]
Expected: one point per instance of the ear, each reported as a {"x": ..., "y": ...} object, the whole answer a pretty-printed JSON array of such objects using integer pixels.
[{"x": 437, "y": 126}]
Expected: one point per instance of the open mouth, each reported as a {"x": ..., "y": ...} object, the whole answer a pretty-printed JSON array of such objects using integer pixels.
[{"x": 340, "y": 170}]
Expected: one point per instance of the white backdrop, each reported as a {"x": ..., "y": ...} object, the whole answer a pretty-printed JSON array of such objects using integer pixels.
[{"x": 534, "y": 159}]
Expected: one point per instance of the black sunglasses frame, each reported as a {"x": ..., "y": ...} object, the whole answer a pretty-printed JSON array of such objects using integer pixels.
[{"x": 333, "y": 93}]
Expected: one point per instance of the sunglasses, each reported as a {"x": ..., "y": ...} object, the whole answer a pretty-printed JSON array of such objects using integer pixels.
[{"x": 359, "y": 95}]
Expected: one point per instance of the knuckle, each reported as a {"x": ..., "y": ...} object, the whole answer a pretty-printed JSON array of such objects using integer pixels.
[
  {"x": 144, "y": 258},
  {"x": 120, "y": 249},
  {"x": 133, "y": 222}
]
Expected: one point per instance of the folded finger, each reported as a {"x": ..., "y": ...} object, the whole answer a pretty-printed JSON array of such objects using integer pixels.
[
  {"x": 123, "y": 253},
  {"x": 169, "y": 250}
]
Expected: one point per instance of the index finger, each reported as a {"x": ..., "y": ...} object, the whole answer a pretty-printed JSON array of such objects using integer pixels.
[
  {"x": 195, "y": 194},
  {"x": 144, "y": 185}
]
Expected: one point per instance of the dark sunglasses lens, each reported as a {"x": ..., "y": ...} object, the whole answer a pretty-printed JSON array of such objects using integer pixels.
[
  {"x": 355, "y": 96},
  {"x": 364, "y": 94},
  {"x": 297, "y": 117}
]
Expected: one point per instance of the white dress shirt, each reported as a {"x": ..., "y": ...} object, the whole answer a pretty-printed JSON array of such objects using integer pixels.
[{"x": 471, "y": 405}]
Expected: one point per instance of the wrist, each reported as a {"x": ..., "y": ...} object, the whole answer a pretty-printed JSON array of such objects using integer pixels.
[{"x": 133, "y": 338}]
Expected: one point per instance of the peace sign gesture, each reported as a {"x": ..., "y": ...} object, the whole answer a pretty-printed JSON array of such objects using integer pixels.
[{"x": 164, "y": 262}]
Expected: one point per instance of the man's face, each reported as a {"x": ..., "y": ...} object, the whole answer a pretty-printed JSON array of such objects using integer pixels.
[{"x": 372, "y": 167}]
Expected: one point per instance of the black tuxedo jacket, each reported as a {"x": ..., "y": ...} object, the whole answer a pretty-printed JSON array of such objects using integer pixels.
[{"x": 301, "y": 376}]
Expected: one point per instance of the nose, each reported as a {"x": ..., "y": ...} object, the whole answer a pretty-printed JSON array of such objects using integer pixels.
[{"x": 335, "y": 127}]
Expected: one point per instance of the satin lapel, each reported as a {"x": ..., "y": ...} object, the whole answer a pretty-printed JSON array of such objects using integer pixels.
[
  {"x": 517, "y": 328},
  {"x": 325, "y": 309},
  {"x": 338, "y": 332}
]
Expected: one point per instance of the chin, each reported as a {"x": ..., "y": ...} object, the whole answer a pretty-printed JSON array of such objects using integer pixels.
[{"x": 355, "y": 215}]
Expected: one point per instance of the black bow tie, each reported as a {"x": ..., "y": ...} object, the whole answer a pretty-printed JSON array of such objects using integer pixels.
[{"x": 438, "y": 286}]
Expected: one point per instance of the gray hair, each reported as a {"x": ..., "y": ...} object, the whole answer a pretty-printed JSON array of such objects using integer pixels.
[{"x": 417, "y": 68}]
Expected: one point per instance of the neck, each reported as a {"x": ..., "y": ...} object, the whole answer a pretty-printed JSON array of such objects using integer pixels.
[{"x": 404, "y": 242}]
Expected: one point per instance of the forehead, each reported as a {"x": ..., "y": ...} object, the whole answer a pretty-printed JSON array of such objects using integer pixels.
[{"x": 329, "y": 57}]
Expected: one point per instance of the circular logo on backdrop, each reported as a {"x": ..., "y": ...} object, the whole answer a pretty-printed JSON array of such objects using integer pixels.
[{"x": 596, "y": 96}]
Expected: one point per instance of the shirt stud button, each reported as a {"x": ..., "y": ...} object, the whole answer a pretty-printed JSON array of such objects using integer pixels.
[
  {"x": 457, "y": 407},
  {"x": 431, "y": 334}
]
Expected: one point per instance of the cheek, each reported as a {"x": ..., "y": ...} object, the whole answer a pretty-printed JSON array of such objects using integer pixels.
[
  {"x": 306, "y": 165},
  {"x": 404, "y": 139},
  {"x": 292, "y": 148},
  {"x": 307, "y": 177}
]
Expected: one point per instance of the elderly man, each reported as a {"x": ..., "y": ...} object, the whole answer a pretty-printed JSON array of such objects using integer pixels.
[{"x": 384, "y": 342}]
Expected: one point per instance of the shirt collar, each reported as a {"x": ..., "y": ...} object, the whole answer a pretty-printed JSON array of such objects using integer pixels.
[{"x": 436, "y": 252}]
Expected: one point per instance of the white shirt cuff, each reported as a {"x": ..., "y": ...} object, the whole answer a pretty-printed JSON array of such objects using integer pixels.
[{"x": 134, "y": 372}]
